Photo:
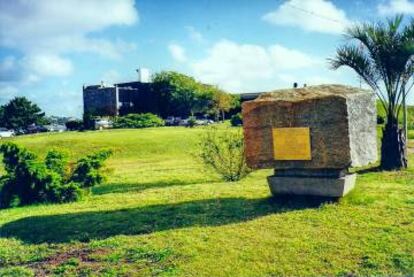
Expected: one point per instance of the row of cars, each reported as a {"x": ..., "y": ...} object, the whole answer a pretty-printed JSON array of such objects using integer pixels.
[
  {"x": 178, "y": 121},
  {"x": 31, "y": 129}
]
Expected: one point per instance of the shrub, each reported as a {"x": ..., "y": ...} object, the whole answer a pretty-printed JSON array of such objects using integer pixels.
[
  {"x": 191, "y": 121},
  {"x": 56, "y": 161},
  {"x": 74, "y": 125},
  {"x": 223, "y": 151},
  {"x": 144, "y": 120},
  {"x": 87, "y": 172},
  {"x": 29, "y": 180},
  {"x": 236, "y": 120}
]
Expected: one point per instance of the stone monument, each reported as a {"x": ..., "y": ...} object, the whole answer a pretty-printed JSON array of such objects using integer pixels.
[{"x": 311, "y": 136}]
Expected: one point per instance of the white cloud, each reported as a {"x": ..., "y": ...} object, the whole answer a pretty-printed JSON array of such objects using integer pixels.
[
  {"x": 41, "y": 22},
  {"x": 396, "y": 6},
  {"x": 9, "y": 69},
  {"x": 310, "y": 15},
  {"x": 7, "y": 92},
  {"x": 48, "y": 65},
  {"x": 286, "y": 58},
  {"x": 244, "y": 67},
  {"x": 111, "y": 77},
  {"x": 44, "y": 31},
  {"x": 177, "y": 52},
  {"x": 194, "y": 34}
]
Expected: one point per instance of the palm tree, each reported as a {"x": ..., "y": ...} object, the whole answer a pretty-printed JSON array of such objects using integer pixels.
[{"x": 382, "y": 54}]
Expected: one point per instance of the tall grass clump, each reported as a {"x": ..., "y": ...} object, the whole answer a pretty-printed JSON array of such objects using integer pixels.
[{"x": 222, "y": 150}]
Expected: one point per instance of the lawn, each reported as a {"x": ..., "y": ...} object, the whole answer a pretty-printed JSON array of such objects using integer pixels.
[{"x": 161, "y": 214}]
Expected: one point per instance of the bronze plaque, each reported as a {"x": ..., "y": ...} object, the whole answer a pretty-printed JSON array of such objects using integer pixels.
[{"x": 291, "y": 144}]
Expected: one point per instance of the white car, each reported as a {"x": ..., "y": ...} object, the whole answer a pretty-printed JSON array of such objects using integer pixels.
[{"x": 4, "y": 133}]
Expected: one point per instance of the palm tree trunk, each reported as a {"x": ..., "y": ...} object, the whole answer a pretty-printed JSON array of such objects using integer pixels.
[{"x": 393, "y": 150}]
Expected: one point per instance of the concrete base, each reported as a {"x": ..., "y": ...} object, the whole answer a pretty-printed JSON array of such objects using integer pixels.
[{"x": 318, "y": 186}]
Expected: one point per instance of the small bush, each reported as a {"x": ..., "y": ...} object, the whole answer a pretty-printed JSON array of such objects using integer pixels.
[
  {"x": 191, "y": 121},
  {"x": 87, "y": 173},
  {"x": 144, "y": 120},
  {"x": 223, "y": 151},
  {"x": 29, "y": 180},
  {"x": 236, "y": 120},
  {"x": 74, "y": 125},
  {"x": 56, "y": 161}
]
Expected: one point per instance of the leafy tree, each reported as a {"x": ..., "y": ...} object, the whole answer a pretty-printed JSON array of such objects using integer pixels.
[
  {"x": 20, "y": 113},
  {"x": 177, "y": 92},
  {"x": 182, "y": 95},
  {"x": 222, "y": 103},
  {"x": 382, "y": 54}
]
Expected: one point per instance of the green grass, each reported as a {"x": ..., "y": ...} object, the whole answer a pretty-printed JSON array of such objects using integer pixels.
[{"x": 161, "y": 214}]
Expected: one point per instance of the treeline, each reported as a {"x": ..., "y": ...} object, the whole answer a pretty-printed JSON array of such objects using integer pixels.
[{"x": 182, "y": 95}]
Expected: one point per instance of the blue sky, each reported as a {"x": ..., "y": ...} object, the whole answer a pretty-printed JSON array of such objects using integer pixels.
[{"x": 49, "y": 48}]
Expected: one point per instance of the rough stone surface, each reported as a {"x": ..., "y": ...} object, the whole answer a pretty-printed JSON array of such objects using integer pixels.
[
  {"x": 342, "y": 122},
  {"x": 328, "y": 187}
]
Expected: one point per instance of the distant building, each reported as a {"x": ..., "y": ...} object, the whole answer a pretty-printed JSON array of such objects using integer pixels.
[
  {"x": 121, "y": 98},
  {"x": 130, "y": 97}
]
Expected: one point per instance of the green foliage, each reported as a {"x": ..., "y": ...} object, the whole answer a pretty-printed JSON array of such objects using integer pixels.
[
  {"x": 74, "y": 125},
  {"x": 182, "y": 95},
  {"x": 56, "y": 161},
  {"x": 236, "y": 120},
  {"x": 158, "y": 198},
  {"x": 143, "y": 120},
  {"x": 16, "y": 271},
  {"x": 191, "y": 121},
  {"x": 223, "y": 151},
  {"x": 410, "y": 115},
  {"x": 88, "y": 122},
  {"x": 87, "y": 170},
  {"x": 29, "y": 180},
  {"x": 382, "y": 55},
  {"x": 20, "y": 113}
]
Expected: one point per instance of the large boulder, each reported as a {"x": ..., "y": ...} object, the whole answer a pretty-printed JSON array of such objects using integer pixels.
[{"x": 337, "y": 123}]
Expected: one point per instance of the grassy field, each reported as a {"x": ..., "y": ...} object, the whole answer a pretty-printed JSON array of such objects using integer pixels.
[{"x": 161, "y": 214}]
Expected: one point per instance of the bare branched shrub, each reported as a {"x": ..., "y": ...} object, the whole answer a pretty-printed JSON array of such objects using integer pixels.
[{"x": 223, "y": 151}]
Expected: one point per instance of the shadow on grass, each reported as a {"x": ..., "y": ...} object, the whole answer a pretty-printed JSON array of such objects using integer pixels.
[
  {"x": 125, "y": 187},
  {"x": 368, "y": 170},
  {"x": 86, "y": 226}
]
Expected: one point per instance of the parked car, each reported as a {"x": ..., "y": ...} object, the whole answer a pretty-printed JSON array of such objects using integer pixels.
[
  {"x": 170, "y": 121},
  {"x": 203, "y": 122},
  {"x": 55, "y": 128},
  {"x": 33, "y": 129},
  {"x": 5, "y": 133},
  {"x": 20, "y": 131},
  {"x": 183, "y": 122},
  {"x": 103, "y": 124}
]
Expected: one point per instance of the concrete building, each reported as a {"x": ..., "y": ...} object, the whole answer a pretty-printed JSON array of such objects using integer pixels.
[
  {"x": 121, "y": 98},
  {"x": 132, "y": 97}
]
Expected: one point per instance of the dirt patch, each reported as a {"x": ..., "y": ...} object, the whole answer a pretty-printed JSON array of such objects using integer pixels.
[{"x": 43, "y": 268}]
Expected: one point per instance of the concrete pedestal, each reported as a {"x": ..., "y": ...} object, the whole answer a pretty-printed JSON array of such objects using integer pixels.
[{"x": 318, "y": 186}]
